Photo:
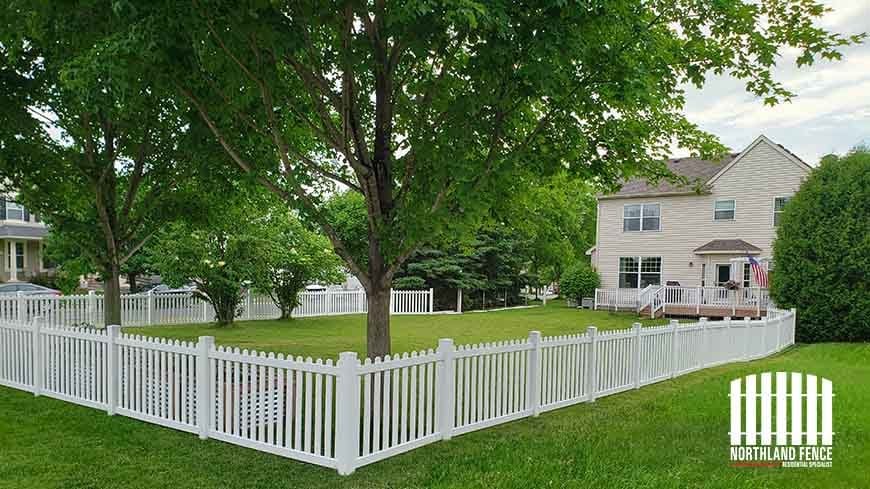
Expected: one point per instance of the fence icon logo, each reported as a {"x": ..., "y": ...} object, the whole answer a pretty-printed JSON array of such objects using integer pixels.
[{"x": 781, "y": 420}]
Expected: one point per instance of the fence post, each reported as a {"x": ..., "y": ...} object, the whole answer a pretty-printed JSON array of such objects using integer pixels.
[
  {"x": 431, "y": 300},
  {"x": 459, "y": 301},
  {"x": 747, "y": 334},
  {"x": 249, "y": 304},
  {"x": 592, "y": 364},
  {"x": 204, "y": 311},
  {"x": 347, "y": 413},
  {"x": 36, "y": 332},
  {"x": 445, "y": 415},
  {"x": 636, "y": 353},
  {"x": 204, "y": 396},
  {"x": 730, "y": 336},
  {"x": 793, "y": 324},
  {"x": 533, "y": 394},
  {"x": 778, "y": 322},
  {"x": 674, "y": 326},
  {"x": 113, "y": 331},
  {"x": 705, "y": 336},
  {"x": 594, "y": 301},
  {"x": 698, "y": 302},
  {"x": 20, "y": 307},
  {"x": 150, "y": 307},
  {"x": 92, "y": 307},
  {"x": 758, "y": 302}
]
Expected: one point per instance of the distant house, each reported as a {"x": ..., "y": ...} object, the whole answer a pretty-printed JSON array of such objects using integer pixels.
[
  {"x": 21, "y": 236},
  {"x": 700, "y": 233}
]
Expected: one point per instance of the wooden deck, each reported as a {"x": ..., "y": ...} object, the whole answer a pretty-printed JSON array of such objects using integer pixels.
[{"x": 712, "y": 311}]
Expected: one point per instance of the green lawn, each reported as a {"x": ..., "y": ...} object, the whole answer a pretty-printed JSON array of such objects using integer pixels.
[
  {"x": 326, "y": 337},
  {"x": 671, "y": 434}
]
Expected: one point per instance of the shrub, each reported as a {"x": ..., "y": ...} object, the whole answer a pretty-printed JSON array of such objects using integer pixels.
[
  {"x": 822, "y": 252},
  {"x": 579, "y": 281}
]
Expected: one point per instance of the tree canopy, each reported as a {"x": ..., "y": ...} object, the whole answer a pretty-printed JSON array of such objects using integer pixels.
[
  {"x": 429, "y": 110},
  {"x": 98, "y": 146}
]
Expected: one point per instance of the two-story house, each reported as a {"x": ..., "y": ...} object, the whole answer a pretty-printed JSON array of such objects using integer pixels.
[
  {"x": 21, "y": 235},
  {"x": 698, "y": 234}
]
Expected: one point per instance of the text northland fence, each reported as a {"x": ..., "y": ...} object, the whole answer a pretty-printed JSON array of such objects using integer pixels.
[
  {"x": 179, "y": 308},
  {"x": 351, "y": 413}
]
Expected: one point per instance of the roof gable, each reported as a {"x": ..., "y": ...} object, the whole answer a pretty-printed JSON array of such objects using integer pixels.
[
  {"x": 762, "y": 139},
  {"x": 699, "y": 173}
]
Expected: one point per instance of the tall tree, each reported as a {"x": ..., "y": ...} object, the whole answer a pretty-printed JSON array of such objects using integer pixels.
[
  {"x": 427, "y": 109},
  {"x": 98, "y": 149}
]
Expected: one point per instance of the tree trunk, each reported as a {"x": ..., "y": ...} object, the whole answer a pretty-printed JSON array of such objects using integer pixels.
[
  {"x": 131, "y": 279},
  {"x": 378, "y": 320},
  {"x": 112, "y": 296}
]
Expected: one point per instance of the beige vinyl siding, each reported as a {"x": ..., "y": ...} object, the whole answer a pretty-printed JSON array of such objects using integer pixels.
[{"x": 687, "y": 221}]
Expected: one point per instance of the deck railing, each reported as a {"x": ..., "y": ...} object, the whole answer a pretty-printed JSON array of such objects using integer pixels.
[{"x": 653, "y": 299}]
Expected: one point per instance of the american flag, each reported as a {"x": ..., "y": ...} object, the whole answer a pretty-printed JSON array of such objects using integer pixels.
[{"x": 758, "y": 272}]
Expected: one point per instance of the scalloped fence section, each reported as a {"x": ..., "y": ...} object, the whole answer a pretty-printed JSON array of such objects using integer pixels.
[{"x": 350, "y": 413}]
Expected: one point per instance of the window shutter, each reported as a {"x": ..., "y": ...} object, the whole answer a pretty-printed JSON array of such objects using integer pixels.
[
  {"x": 3, "y": 208},
  {"x": 26, "y": 215}
]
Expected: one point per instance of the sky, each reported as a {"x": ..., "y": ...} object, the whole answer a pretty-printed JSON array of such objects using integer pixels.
[{"x": 830, "y": 114}]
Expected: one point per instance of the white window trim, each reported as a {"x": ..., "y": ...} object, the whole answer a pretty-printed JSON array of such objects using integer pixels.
[
  {"x": 743, "y": 282},
  {"x": 733, "y": 217},
  {"x": 639, "y": 272},
  {"x": 12, "y": 255},
  {"x": 774, "y": 213},
  {"x": 642, "y": 230}
]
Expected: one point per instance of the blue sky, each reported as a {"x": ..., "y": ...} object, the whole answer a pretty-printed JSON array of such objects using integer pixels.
[{"x": 830, "y": 114}]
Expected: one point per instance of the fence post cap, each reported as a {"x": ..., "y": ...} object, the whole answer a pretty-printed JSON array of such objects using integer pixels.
[
  {"x": 347, "y": 356},
  {"x": 113, "y": 328},
  {"x": 674, "y": 322},
  {"x": 702, "y": 319},
  {"x": 727, "y": 318},
  {"x": 209, "y": 340},
  {"x": 445, "y": 343},
  {"x": 591, "y": 329},
  {"x": 636, "y": 325}
]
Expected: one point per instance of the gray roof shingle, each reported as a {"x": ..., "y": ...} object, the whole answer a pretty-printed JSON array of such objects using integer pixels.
[{"x": 695, "y": 170}]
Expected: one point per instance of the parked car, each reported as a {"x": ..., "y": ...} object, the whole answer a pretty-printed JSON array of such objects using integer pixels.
[
  {"x": 13, "y": 288},
  {"x": 165, "y": 289}
]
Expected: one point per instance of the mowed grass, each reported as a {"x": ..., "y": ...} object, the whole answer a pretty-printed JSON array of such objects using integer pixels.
[
  {"x": 668, "y": 435},
  {"x": 326, "y": 337}
]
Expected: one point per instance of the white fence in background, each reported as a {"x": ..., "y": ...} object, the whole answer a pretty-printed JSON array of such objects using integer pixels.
[
  {"x": 350, "y": 414},
  {"x": 182, "y": 308}
]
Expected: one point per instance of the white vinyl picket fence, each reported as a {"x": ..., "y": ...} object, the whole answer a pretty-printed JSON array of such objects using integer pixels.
[
  {"x": 182, "y": 308},
  {"x": 351, "y": 413}
]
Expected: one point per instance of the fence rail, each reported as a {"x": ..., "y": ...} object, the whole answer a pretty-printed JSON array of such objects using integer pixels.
[
  {"x": 351, "y": 413},
  {"x": 183, "y": 308}
]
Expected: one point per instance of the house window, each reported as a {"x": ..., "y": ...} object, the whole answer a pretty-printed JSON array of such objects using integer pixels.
[
  {"x": 723, "y": 273},
  {"x": 703, "y": 275},
  {"x": 638, "y": 272},
  {"x": 723, "y": 210},
  {"x": 778, "y": 206},
  {"x": 747, "y": 272},
  {"x": 14, "y": 211},
  {"x": 18, "y": 254},
  {"x": 641, "y": 217}
]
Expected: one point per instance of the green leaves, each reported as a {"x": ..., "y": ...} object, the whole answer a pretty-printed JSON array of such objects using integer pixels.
[{"x": 822, "y": 251}]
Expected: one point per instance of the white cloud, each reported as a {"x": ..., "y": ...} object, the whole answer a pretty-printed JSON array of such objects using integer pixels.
[{"x": 831, "y": 112}]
